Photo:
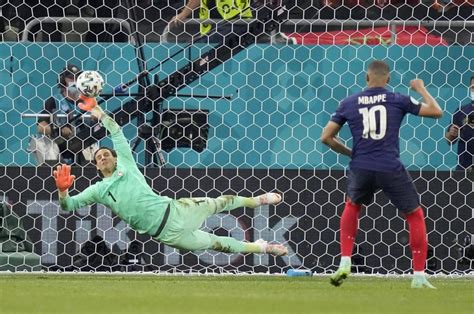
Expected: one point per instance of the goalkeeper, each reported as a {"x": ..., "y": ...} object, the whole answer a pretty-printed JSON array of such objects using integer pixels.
[{"x": 173, "y": 222}]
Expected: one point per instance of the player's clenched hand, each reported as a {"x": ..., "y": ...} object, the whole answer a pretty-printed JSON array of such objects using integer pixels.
[
  {"x": 62, "y": 176},
  {"x": 87, "y": 103},
  {"x": 454, "y": 130},
  {"x": 417, "y": 84}
]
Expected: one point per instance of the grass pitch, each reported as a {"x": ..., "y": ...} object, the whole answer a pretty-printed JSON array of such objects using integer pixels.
[{"x": 228, "y": 294}]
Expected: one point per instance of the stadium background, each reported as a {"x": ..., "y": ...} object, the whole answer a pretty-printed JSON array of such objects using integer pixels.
[{"x": 294, "y": 88}]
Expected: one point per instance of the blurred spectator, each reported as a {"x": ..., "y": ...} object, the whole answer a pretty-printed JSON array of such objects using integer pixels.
[
  {"x": 462, "y": 131},
  {"x": 208, "y": 9},
  {"x": 63, "y": 129},
  {"x": 227, "y": 10}
]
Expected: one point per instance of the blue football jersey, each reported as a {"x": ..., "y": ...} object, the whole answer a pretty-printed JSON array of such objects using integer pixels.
[
  {"x": 374, "y": 117},
  {"x": 464, "y": 119}
]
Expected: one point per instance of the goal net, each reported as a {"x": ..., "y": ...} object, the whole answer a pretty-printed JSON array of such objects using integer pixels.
[{"x": 236, "y": 111}]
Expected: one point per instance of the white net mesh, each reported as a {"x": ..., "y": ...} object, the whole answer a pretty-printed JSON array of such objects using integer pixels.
[{"x": 234, "y": 114}]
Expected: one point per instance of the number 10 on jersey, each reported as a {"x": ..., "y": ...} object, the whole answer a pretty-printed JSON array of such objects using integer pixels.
[{"x": 371, "y": 117}]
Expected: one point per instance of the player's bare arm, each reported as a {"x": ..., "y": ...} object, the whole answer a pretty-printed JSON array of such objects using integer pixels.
[
  {"x": 329, "y": 137},
  {"x": 429, "y": 107}
]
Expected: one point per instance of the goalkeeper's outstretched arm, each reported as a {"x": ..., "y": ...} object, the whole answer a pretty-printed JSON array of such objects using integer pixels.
[
  {"x": 64, "y": 180},
  {"x": 121, "y": 144}
]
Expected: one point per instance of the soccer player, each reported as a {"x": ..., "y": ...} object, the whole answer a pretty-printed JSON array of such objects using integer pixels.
[
  {"x": 374, "y": 117},
  {"x": 173, "y": 222},
  {"x": 462, "y": 131}
]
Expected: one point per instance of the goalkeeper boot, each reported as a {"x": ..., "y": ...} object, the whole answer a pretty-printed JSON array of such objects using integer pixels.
[
  {"x": 341, "y": 274},
  {"x": 268, "y": 199},
  {"x": 419, "y": 281},
  {"x": 272, "y": 249}
]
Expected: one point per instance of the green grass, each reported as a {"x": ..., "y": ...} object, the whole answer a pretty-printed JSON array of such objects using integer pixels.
[{"x": 228, "y": 294}]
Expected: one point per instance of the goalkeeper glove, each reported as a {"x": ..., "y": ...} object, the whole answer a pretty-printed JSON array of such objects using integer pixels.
[
  {"x": 87, "y": 103},
  {"x": 63, "y": 177}
]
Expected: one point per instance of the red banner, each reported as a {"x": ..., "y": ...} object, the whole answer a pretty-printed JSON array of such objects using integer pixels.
[{"x": 404, "y": 35}]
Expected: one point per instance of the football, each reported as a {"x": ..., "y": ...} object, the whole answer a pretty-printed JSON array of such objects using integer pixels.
[{"x": 90, "y": 83}]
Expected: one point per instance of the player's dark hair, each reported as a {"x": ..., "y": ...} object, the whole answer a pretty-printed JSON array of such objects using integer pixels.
[
  {"x": 111, "y": 150},
  {"x": 379, "y": 67},
  {"x": 71, "y": 71}
]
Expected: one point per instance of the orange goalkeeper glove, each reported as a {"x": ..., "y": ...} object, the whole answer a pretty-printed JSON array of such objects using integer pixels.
[
  {"x": 87, "y": 103},
  {"x": 63, "y": 177}
]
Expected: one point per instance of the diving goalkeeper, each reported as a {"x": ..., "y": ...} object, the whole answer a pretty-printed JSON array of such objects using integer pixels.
[{"x": 173, "y": 222}]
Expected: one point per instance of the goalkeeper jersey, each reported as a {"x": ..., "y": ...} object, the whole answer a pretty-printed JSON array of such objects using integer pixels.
[{"x": 126, "y": 192}]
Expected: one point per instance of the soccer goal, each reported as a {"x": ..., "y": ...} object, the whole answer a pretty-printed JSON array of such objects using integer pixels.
[{"x": 239, "y": 114}]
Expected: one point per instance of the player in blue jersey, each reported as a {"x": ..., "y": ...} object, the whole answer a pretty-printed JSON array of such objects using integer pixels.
[
  {"x": 462, "y": 131},
  {"x": 374, "y": 117}
]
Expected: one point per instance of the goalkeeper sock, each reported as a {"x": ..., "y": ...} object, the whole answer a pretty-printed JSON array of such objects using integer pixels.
[
  {"x": 349, "y": 225},
  {"x": 268, "y": 199},
  {"x": 418, "y": 241},
  {"x": 256, "y": 247},
  {"x": 230, "y": 202},
  {"x": 231, "y": 245}
]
